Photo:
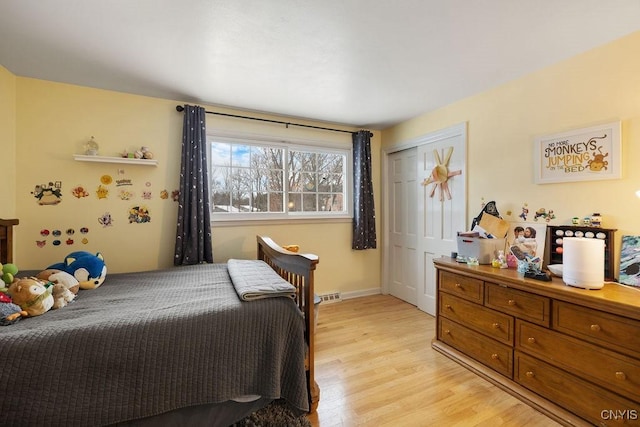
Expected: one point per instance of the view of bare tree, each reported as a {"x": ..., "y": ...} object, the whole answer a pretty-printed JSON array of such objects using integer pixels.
[{"x": 253, "y": 179}]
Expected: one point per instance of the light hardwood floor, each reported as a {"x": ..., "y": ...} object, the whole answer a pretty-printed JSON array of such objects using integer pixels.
[{"x": 375, "y": 367}]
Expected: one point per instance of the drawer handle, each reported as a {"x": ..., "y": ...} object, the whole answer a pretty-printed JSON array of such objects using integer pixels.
[
  {"x": 447, "y": 332},
  {"x": 511, "y": 302},
  {"x": 447, "y": 306},
  {"x": 595, "y": 328},
  {"x": 458, "y": 285},
  {"x": 531, "y": 340},
  {"x": 530, "y": 374},
  {"x": 495, "y": 325},
  {"x": 495, "y": 356},
  {"x": 620, "y": 375}
]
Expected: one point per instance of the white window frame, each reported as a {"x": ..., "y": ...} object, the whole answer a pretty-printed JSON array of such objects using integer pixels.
[{"x": 288, "y": 144}]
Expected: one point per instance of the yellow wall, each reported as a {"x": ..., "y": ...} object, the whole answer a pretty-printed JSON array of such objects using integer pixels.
[
  {"x": 7, "y": 143},
  {"x": 49, "y": 122},
  {"x": 53, "y": 122},
  {"x": 341, "y": 269},
  {"x": 600, "y": 86}
]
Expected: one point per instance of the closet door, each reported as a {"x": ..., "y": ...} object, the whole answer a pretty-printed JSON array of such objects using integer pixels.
[
  {"x": 401, "y": 187},
  {"x": 423, "y": 217},
  {"x": 441, "y": 206}
]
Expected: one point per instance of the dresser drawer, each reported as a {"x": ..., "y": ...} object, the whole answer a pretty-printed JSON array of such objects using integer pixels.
[
  {"x": 585, "y": 399},
  {"x": 610, "y": 370},
  {"x": 609, "y": 330},
  {"x": 497, "y": 325},
  {"x": 462, "y": 286},
  {"x": 521, "y": 304},
  {"x": 495, "y": 355}
]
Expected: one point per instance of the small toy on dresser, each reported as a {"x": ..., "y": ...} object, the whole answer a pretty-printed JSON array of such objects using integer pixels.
[{"x": 537, "y": 275}]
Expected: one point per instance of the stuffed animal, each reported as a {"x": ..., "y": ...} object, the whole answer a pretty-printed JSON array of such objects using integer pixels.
[
  {"x": 58, "y": 276},
  {"x": 291, "y": 248},
  {"x": 89, "y": 269},
  {"x": 10, "y": 313},
  {"x": 31, "y": 295},
  {"x": 8, "y": 272},
  {"x": 61, "y": 295}
]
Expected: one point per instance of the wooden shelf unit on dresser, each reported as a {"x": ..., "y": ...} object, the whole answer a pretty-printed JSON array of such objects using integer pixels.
[
  {"x": 554, "y": 244},
  {"x": 573, "y": 354}
]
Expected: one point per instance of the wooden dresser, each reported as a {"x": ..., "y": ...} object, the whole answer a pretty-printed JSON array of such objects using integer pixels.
[{"x": 571, "y": 353}]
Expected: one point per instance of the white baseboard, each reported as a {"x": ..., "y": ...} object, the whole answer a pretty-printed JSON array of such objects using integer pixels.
[{"x": 361, "y": 293}]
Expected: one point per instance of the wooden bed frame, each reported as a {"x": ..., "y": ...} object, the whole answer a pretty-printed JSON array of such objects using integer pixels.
[
  {"x": 6, "y": 240},
  {"x": 297, "y": 269}
]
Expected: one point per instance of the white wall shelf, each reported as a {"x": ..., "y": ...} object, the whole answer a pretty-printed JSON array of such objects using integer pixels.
[{"x": 123, "y": 160}]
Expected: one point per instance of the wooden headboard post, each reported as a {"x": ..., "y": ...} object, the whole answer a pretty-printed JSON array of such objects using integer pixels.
[
  {"x": 297, "y": 269},
  {"x": 6, "y": 239}
]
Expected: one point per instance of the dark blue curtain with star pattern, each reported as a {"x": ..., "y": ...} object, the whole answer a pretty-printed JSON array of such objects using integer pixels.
[
  {"x": 364, "y": 215},
  {"x": 193, "y": 236}
]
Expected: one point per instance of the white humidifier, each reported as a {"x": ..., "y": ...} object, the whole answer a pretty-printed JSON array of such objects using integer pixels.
[{"x": 583, "y": 262}]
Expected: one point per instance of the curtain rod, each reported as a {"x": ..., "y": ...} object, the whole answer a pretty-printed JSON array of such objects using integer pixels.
[{"x": 180, "y": 109}]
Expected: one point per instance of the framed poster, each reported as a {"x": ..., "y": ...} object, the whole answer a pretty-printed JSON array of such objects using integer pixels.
[
  {"x": 630, "y": 261},
  {"x": 579, "y": 155},
  {"x": 526, "y": 240}
]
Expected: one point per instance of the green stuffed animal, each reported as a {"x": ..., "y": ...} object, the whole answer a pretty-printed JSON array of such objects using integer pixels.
[{"x": 9, "y": 272}]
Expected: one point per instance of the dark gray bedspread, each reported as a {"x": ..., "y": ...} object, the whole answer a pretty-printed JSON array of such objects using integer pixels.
[{"x": 146, "y": 343}]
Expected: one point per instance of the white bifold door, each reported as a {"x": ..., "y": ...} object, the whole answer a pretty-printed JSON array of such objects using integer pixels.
[{"x": 426, "y": 207}]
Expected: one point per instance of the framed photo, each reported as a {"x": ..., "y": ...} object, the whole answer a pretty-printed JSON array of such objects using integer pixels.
[
  {"x": 630, "y": 261},
  {"x": 586, "y": 154},
  {"x": 526, "y": 240}
]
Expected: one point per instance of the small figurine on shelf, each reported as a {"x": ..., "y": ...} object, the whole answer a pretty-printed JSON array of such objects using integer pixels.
[
  {"x": 596, "y": 220},
  {"x": 146, "y": 154},
  {"x": 142, "y": 153},
  {"x": 91, "y": 147}
]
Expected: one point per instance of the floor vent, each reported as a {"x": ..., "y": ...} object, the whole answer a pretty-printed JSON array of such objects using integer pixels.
[{"x": 331, "y": 297}]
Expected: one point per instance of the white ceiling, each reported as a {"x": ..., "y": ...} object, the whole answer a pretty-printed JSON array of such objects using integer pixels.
[{"x": 364, "y": 63}]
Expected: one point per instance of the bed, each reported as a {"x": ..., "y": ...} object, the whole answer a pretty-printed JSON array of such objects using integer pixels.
[{"x": 168, "y": 347}]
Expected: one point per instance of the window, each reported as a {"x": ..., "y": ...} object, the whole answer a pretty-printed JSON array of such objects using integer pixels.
[{"x": 260, "y": 180}]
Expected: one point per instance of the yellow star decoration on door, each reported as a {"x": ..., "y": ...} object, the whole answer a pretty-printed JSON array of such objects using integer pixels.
[{"x": 440, "y": 174}]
